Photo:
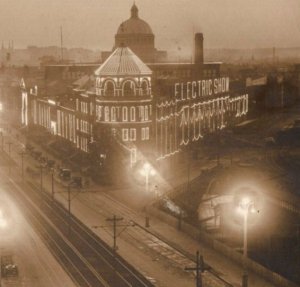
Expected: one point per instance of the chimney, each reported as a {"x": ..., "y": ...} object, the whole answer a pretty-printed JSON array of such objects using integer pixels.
[{"x": 198, "y": 57}]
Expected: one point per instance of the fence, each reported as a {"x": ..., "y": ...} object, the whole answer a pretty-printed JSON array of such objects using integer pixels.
[{"x": 220, "y": 247}]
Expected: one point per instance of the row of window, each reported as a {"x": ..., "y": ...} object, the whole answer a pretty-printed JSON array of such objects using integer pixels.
[
  {"x": 66, "y": 125},
  {"x": 128, "y": 89},
  {"x": 84, "y": 126},
  {"x": 72, "y": 75},
  {"x": 82, "y": 143},
  {"x": 208, "y": 73},
  {"x": 128, "y": 114},
  {"x": 130, "y": 134},
  {"x": 84, "y": 107}
]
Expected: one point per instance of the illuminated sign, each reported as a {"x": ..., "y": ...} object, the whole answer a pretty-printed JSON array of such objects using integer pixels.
[
  {"x": 201, "y": 88},
  {"x": 197, "y": 108}
]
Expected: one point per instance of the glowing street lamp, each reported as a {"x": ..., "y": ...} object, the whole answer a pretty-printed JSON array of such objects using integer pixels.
[
  {"x": 246, "y": 206},
  {"x": 147, "y": 170}
]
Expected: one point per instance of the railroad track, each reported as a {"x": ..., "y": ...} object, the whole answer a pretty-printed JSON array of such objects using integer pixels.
[
  {"x": 146, "y": 239},
  {"x": 87, "y": 238},
  {"x": 87, "y": 259}
]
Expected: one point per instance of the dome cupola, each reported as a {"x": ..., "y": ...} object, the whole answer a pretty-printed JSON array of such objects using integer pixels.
[{"x": 136, "y": 34}]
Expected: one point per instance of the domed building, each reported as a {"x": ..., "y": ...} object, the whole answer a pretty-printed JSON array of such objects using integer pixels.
[{"x": 136, "y": 34}]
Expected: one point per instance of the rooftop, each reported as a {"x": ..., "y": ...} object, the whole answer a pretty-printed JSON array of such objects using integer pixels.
[{"x": 123, "y": 62}]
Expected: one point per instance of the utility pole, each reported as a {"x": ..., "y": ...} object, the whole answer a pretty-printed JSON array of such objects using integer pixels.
[
  {"x": 115, "y": 219},
  {"x": 41, "y": 181},
  {"x": 9, "y": 150},
  {"x": 199, "y": 269},
  {"x": 52, "y": 183},
  {"x": 22, "y": 153},
  {"x": 61, "y": 44},
  {"x": 69, "y": 208},
  {"x": 2, "y": 141},
  {"x": 189, "y": 157}
]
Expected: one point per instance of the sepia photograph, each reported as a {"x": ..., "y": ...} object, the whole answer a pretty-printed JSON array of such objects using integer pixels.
[{"x": 149, "y": 143}]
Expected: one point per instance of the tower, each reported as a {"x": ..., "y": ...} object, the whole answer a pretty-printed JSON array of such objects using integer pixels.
[
  {"x": 199, "y": 58},
  {"x": 124, "y": 100}
]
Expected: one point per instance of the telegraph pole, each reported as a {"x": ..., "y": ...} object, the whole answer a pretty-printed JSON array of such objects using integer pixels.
[
  {"x": 2, "y": 141},
  {"x": 9, "y": 150},
  {"x": 41, "y": 183},
  {"x": 69, "y": 207},
  {"x": 115, "y": 219},
  {"x": 199, "y": 269},
  {"x": 52, "y": 184},
  {"x": 22, "y": 153}
]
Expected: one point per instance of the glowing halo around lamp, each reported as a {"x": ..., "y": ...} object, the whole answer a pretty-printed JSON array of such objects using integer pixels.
[{"x": 146, "y": 171}]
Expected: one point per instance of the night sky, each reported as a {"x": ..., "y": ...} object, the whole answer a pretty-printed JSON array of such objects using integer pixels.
[{"x": 93, "y": 23}]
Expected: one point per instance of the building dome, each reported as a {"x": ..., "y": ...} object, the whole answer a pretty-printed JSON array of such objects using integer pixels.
[
  {"x": 134, "y": 25},
  {"x": 136, "y": 34}
]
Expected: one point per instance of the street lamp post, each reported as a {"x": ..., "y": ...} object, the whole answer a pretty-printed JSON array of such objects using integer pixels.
[
  {"x": 69, "y": 209},
  {"x": 246, "y": 206},
  {"x": 146, "y": 171}
]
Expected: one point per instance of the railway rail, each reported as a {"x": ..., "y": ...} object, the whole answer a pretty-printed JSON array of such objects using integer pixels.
[{"x": 87, "y": 259}]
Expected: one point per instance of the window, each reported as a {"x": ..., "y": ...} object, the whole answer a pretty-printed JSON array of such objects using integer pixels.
[
  {"x": 144, "y": 88},
  {"x": 145, "y": 133},
  {"x": 125, "y": 134},
  {"x": 84, "y": 107},
  {"x": 132, "y": 114},
  {"x": 125, "y": 114},
  {"x": 129, "y": 89},
  {"x": 106, "y": 114},
  {"x": 132, "y": 134},
  {"x": 142, "y": 114},
  {"x": 146, "y": 113},
  {"x": 99, "y": 112},
  {"x": 113, "y": 114},
  {"x": 109, "y": 89}
]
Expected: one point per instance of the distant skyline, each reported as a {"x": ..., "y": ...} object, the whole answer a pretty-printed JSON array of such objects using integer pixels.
[{"x": 93, "y": 23}]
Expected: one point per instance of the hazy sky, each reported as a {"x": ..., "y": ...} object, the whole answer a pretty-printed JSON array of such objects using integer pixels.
[{"x": 93, "y": 23}]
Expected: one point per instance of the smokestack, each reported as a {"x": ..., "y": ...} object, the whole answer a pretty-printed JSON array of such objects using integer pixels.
[{"x": 199, "y": 57}]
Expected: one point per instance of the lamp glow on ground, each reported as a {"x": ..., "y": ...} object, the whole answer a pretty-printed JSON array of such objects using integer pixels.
[{"x": 147, "y": 171}]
